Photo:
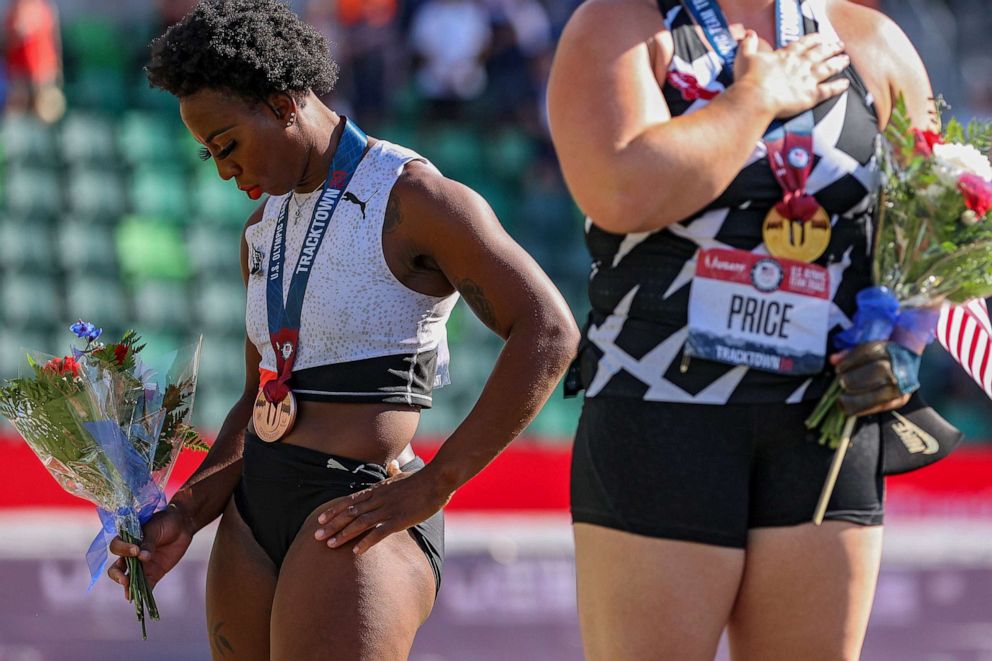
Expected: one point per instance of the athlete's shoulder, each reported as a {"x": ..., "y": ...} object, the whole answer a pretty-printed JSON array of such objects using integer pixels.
[
  {"x": 608, "y": 18},
  {"x": 869, "y": 26},
  {"x": 895, "y": 64}
]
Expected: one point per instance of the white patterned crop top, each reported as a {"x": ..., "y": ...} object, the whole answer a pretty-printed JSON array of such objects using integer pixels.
[{"x": 364, "y": 335}]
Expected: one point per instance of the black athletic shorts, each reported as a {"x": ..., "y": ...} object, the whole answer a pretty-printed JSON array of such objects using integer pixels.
[
  {"x": 282, "y": 484},
  {"x": 704, "y": 473}
]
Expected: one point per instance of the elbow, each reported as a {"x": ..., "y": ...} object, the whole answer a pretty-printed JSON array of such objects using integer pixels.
[
  {"x": 558, "y": 340},
  {"x": 628, "y": 208}
]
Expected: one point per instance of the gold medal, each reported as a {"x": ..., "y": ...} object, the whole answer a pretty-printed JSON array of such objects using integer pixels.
[
  {"x": 801, "y": 240},
  {"x": 273, "y": 421}
]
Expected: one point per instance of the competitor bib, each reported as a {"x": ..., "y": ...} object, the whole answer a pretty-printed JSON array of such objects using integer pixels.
[{"x": 763, "y": 312}]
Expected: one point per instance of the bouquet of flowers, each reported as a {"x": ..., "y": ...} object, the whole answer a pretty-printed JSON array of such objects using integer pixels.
[
  {"x": 109, "y": 427},
  {"x": 933, "y": 245}
]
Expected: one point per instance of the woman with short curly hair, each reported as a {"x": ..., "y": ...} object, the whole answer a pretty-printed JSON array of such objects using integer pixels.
[{"x": 331, "y": 540}]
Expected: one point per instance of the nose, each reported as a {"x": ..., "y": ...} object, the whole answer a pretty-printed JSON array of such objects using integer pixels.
[{"x": 227, "y": 169}]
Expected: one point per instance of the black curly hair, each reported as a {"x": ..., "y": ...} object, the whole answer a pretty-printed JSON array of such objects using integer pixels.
[{"x": 249, "y": 48}]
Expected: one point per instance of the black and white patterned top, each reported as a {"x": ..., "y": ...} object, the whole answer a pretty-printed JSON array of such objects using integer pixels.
[{"x": 639, "y": 285}]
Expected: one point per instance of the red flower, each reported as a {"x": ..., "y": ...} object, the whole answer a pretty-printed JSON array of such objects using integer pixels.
[
  {"x": 120, "y": 354},
  {"x": 977, "y": 193},
  {"x": 70, "y": 366},
  {"x": 67, "y": 366},
  {"x": 925, "y": 140},
  {"x": 54, "y": 365}
]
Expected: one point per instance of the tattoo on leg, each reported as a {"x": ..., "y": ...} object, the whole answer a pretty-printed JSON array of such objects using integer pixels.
[
  {"x": 477, "y": 300},
  {"x": 392, "y": 218},
  {"x": 219, "y": 641}
]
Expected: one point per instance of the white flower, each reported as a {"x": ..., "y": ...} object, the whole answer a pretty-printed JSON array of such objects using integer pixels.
[
  {"x": 934, "y": 192},
  {"x": 955, "y": 159},
  {"x": 969, "y": 217}
]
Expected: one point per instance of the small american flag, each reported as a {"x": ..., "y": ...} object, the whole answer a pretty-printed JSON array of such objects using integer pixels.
[{"x": 966, "y": 332}]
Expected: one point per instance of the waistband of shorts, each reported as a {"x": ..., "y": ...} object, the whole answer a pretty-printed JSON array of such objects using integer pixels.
[{"x": 276, "y": 460}]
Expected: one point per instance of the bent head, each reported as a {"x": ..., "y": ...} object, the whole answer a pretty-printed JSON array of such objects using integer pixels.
[{"x": 245, "y": 73}]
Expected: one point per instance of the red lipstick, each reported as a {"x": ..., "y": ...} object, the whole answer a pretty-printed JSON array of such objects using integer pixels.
[{"x": 253, "y": 192}]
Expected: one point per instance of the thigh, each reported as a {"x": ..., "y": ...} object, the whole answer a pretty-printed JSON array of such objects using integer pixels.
[
  {"x": 642, "y": 598},
  {"x": 806, "y": 593},
  {"x": 330, "y": 604},
  {"x": 241, "y": 581}
]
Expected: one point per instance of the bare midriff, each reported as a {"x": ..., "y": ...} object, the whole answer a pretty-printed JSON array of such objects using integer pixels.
[{"x": 376, "y": 433}]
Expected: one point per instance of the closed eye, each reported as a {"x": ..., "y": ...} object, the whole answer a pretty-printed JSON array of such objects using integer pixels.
[{"x": 205, "y": 154}]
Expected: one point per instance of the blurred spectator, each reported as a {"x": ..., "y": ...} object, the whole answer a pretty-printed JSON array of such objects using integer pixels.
[
  {"x": 450, "y": 39},
  {"x": 170, "y": 11},
  {"x": 364, "y": 37},
  {"x": 521, "y": 34},
  {"x": 34, "y": 62}
]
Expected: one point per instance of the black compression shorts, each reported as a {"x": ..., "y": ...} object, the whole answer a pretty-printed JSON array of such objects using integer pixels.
[
  {"x": 708, "y": 474},
  {"x": 282, "y": 484}
]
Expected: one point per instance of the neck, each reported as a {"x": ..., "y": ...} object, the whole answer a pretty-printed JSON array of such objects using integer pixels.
[{"x": 322, "y": 134}]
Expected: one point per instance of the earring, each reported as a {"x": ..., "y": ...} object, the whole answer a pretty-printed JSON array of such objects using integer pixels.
[{"x": 292, "y": 119}]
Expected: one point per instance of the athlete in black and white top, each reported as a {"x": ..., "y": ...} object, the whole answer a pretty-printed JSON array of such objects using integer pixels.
[
  {"x": 717, "y": 282},
  {"x": 330, "y": 543}
]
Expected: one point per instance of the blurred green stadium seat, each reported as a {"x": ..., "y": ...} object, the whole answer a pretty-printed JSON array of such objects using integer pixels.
[
  {"x": 99, "y": 299},
  {"x": 220, "y": 202},
  {"x": 96, "y": 194},
  {"x": 152, "y": 99},
  {"x": 160, "y": 192},
  {"x": 26, "y": 246},
  {"x": 26, "y": 140},
  {"x": 147, "y": 139},
  {"x": 86, "y": 248},
  {"x": 220, "y": 306},
  {"x": 90, "y": 42},
  {"x": 510, "y": 153},
  {"x": 222, "y": 363},
  {"x": 161, "y": 306},
  {"x": 97, "y": 89},
  {"x": 15, "y": 343},
  {"x": 456, "y": 150},
  {"x": 151, "y": 250},
  {"x": 212, "y": 405},
  {"x": 30, "y": 300},
  {"x": 32, "y": 192},
  {"x": 214, "y": 250},
  {"x": 88, "y": 138}
]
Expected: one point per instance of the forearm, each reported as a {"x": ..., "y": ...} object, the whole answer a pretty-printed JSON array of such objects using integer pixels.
[
  {"x": 206, "y": 493},
  {"x": 673, "y": 169},
  {"x": 526, "y": 373}
]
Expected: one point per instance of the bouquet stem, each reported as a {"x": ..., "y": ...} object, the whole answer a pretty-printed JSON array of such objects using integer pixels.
[
  {"x": 139, "y": 592},
  {"x": 831, "y": 481},
  {"x": 828, "y": 417}
]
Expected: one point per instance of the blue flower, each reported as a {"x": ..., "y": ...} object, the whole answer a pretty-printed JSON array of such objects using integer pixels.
[{"x": 86, "y": 331}]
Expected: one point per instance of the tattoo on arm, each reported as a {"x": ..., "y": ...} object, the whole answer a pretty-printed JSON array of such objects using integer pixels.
[
  {"x": 477, "y": 300},
  {"x": 219, "y": 641},
  {"x": 393, "y": 217}
]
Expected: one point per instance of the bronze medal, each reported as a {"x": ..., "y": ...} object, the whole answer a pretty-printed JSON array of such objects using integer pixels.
[
  {"x": 273, "y": 421},
  {"x": 800, "y": 240}
]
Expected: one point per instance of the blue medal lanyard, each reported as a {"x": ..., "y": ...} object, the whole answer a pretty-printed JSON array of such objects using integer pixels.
[{"x": 284, "y": 317}]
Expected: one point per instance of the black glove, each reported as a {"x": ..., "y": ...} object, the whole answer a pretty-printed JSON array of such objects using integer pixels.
[{"x": 876, "y": 373}]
